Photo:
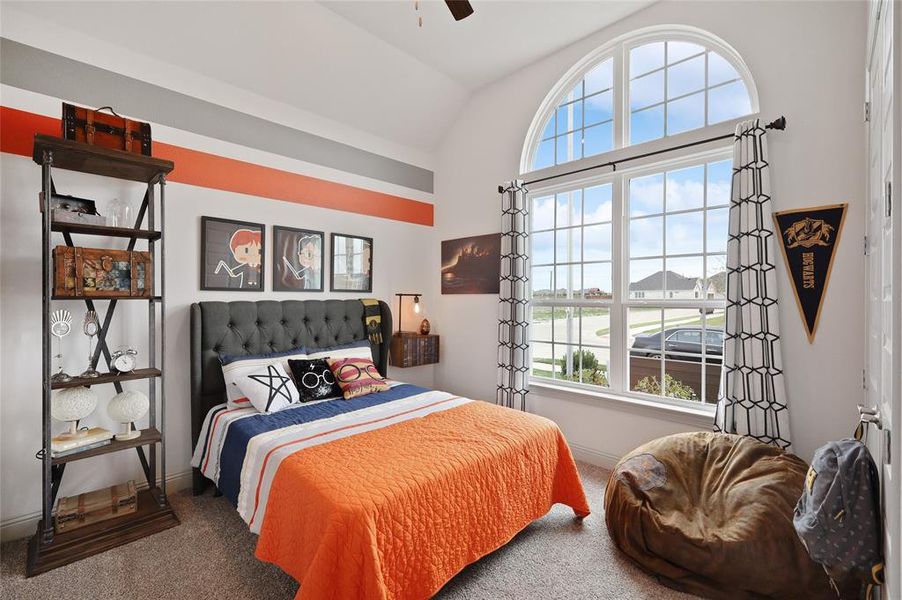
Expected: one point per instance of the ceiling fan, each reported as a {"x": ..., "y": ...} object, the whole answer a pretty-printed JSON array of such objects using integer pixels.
[{"x": 460, "y": 9}]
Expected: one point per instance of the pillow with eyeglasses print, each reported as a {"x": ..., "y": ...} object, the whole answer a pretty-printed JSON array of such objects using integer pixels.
[
  {"x": 314, "y": 379},
  {"x": 357, "y": 376}
]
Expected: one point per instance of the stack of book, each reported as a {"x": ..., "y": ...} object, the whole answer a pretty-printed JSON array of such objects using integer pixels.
[{"x": 92, "y": 438}]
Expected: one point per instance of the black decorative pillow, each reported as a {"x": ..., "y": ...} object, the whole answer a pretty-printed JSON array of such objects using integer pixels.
[{"x": 314, "y": 379}]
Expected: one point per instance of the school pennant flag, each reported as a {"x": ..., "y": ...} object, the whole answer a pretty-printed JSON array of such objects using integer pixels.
[{"x": 808, "y": 238}]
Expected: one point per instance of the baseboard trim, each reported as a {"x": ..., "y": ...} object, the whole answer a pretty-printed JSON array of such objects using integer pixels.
[
  {"x": 22, "y": 526},
  {"x": 599, "y": 458}
]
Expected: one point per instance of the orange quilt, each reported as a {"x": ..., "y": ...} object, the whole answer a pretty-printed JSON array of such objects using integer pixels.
[{"x": 397, "y": 512}]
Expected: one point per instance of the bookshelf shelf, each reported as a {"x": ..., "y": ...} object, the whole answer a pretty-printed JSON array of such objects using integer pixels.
[{"x": 148, "y": 436}]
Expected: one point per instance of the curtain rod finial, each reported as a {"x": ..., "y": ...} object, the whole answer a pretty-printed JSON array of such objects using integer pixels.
[{"x": 778, "y": 123}]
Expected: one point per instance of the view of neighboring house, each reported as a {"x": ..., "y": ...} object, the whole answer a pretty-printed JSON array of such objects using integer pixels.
[
  {"x": 593, "y": 293},
  {"x": 671, "y": 285},
  {"x": 663, "y": 284}
]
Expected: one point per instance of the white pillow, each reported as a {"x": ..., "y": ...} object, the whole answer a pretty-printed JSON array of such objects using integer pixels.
[
  {"x": 268, "y": 387},
  {"x": 235, "y": 397},
  {"x": 232, "y": 371},
  {"x": 358, "y": 352}
]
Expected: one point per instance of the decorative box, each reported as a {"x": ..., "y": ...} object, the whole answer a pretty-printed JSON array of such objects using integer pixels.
[
  {"x": 93, "y": 272},
  {"x": 107, "y": 130},
  {"x": 413, "y": 349},
  {"x": 74, "y": 512},
  {"x": 71, "y": 209},
  {"x": 71, "y": 203},
  {"x": 61, "y": 215}
]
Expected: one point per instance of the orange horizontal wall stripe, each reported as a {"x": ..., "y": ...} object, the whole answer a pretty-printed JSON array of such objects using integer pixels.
[{"x": 193, "y": 167}]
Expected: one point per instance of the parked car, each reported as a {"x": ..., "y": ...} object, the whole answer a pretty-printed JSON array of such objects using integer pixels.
[{"x": 680, "y": 343}]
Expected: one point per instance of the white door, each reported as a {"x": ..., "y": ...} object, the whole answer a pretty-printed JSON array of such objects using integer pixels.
[{"x": 884, "y": 271}]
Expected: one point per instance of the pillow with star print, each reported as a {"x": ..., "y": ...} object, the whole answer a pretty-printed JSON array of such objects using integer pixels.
[
  {"x": 314, "y": 379},
  {"x": 268, "y": 388}
]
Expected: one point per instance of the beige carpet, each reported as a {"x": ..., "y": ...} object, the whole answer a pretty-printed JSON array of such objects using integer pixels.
[{"x": 211, "y": 555}]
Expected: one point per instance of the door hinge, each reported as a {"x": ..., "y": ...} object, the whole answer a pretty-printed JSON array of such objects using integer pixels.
[
  {"x": 888, "y": 457},
  {"x": 865, "y": 245},
  {"x": 867, "y": 112},
  {"x": 864, "y": 379},
  {"x": 889, "y": 198}
]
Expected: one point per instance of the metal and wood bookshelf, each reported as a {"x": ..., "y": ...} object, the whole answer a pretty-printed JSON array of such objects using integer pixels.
[{"x": 48, "y": 550}]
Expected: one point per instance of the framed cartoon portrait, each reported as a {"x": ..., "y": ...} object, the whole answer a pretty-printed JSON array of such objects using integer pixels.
[
  {"x": 232, "y": 255},
  {"x": 298, "y": 260},
  {"x": 352, "y": 263}
]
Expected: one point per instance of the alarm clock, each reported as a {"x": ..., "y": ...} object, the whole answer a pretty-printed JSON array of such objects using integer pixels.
[{"x": 123, "y": 361}]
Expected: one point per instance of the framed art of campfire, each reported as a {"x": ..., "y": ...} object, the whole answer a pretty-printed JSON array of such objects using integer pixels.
[{"x": 471, "y": 265}]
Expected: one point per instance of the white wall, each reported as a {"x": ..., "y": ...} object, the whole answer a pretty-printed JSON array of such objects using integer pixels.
[
  {"x": 38, "y": 25},
  {"x": 398, "y": 267},
  {"x": 807, "y": 61}
]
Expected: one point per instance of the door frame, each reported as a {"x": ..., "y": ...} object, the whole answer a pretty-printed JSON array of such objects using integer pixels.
[{"x": 883, "y": 381}]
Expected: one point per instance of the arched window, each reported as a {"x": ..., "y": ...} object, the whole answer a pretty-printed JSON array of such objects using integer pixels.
[
  {"x": 627, "y": 266},
  {"x": 637, "y": 89},
  {"x": 582, "y": 123}
]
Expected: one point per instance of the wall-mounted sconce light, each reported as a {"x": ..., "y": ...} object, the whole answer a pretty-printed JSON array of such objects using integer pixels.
[{"x": 416, "y": 306}]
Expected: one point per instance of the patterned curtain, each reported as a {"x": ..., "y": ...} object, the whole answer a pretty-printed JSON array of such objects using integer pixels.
[
  {"x": 513, "y": 338},
  {"x": 753, "y": 394}
]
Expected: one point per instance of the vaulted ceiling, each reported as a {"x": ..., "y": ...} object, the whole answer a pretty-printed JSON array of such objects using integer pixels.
[
  {"x": 501, "y": 37},
  {"x": 366, "y": 64}
]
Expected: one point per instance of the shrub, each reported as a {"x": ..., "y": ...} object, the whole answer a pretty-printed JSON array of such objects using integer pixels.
[
  {"x": 595, "y": 377},
  {"x": 590, "y": 362},
  {"x": 674, "y": 388},
  {"x": 592, "y": 372}
]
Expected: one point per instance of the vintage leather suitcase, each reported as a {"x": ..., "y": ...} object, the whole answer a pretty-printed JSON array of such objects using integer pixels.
[
  {"x": 100, "y": 272},
  {"x": 107, "y": 130},
  {"x": 73, "y": 512}
]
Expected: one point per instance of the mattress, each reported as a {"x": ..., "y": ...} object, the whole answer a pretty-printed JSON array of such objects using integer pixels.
[{"x": 388, "y": 495}]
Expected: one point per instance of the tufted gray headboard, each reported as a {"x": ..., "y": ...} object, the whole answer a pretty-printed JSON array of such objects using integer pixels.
[{"x": 262, "y": 327}]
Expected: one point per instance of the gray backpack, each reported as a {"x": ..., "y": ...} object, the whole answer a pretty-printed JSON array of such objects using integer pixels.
[{"x": 838, "y": 515}]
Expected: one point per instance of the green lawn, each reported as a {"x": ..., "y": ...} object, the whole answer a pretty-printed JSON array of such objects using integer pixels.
[
  {"x": 711, "y": 321},
  {"x": 543, "y": 313}
]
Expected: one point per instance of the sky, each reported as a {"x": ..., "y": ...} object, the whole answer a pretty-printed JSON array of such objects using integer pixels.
[
  {"x": 664, "y": 208},
  {"x": 663, "y": 101},
  {"x": 673, "y": 87}
]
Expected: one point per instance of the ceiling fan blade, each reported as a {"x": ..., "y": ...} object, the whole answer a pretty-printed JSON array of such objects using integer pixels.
[{"x": 460, "y": 9}]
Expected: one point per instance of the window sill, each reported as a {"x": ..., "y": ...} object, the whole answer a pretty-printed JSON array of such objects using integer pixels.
[{"x": 701, "y": 416}]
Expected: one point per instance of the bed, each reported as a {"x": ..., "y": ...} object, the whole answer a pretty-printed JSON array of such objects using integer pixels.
[{"x": 381, "y": 497}]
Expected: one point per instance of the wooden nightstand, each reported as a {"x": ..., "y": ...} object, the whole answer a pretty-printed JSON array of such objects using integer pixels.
[{"x": 410, "y": 349}]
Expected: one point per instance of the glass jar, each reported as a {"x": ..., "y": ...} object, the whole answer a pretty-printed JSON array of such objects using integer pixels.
[{"x": 121, "y": 213}]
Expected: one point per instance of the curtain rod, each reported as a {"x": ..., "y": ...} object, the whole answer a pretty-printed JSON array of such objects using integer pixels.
[{"x": 778, "y": 124}]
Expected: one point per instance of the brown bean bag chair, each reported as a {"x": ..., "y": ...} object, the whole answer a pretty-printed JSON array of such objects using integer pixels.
[{"x": 711, "y": 514}]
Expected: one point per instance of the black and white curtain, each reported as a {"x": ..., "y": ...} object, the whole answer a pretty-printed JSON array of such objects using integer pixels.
[
  {"x": 513, "y": 323},
  {"x": 753, "y": 395}
]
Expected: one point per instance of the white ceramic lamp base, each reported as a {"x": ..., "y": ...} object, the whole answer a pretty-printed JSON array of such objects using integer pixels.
[
  {"x": 126, "y": 408},
  {"x": 128, "y": 434}
]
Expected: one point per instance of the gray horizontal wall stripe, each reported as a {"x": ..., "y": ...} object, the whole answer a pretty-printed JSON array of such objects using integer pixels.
[{"x": 50, "y": 74}]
